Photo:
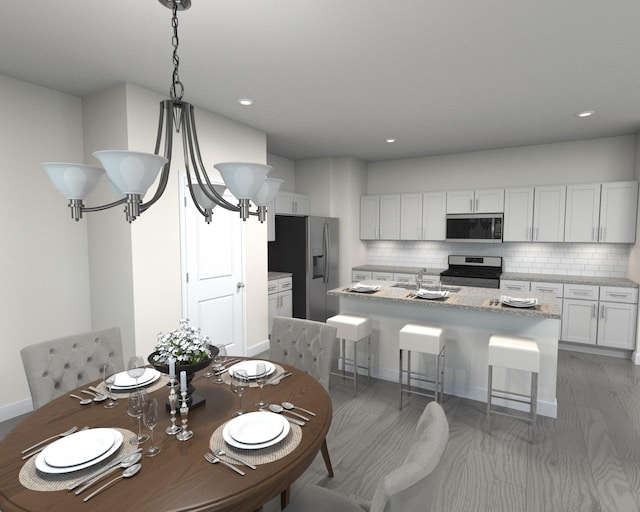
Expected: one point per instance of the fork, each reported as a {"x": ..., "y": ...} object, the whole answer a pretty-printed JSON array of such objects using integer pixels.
[
  {"x": 222, "y": 453},
  {"x": 209, "y": 457}
]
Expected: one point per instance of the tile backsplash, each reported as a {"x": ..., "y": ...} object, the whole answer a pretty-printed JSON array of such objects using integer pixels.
[{"x": 597, "y": 260}]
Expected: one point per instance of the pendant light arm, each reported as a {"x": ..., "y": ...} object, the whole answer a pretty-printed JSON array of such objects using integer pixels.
[{"x": 89, "y": 209}]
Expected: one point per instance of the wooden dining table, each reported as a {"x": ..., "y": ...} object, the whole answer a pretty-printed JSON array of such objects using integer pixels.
[{"x": 178, "y": 478}]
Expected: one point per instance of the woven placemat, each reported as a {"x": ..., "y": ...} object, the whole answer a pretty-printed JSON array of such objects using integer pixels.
[
  {"x": 544, "y": 308},
  {"x": 159, "y": 384},
  {"x": 279, "y": 369},
  {"x": 263, "y": 455},
  {"x": 34, "y": 480}
]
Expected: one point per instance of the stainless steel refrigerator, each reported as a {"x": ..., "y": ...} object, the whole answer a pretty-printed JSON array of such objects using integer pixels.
[{"x": 308, "y": 248}]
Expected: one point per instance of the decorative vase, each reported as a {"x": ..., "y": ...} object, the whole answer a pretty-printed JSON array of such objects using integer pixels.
[{"x": 193, "y": 399}]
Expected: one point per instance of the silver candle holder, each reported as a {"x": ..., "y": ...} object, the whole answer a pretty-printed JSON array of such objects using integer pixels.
[
  {"x": 184, "y": 433},
  {"x": 173, "y": 429}
]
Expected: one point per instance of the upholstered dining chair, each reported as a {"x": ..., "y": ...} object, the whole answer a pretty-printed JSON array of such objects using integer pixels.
[
  {"x": 58, "y": 366},
  {"x": 308, "y": 346},
  {"x": 401, "y": 490}
]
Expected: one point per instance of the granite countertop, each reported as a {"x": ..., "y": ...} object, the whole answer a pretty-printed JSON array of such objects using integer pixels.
[
  {"x": 566, "y": 279},
  {"x": 277, "y": 275},
  {"x": 398, "y": 270},
  {"x": 467, "y": 298}
]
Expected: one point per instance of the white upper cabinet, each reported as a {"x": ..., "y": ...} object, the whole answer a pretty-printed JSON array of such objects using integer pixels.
[
  {"x": 602, "y": 212},
  {"x": 518, "y": 215},
  {"x": 380, "y": 217},
  {"x": 548, "y": 213},
  {"x": 475, "y": 201},
  {"x": 411, "y": 217},
  {"x": 434, "y": 216},
  {"x": 290, "y": 203}
]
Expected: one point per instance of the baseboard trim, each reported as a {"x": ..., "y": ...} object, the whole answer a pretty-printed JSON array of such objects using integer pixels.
[
  {"x": 15, "y": 409},
  {"x": 258, "y": 348}
]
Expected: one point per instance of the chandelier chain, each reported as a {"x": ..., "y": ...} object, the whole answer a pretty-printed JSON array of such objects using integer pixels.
[{"x": 177, "y": 89}]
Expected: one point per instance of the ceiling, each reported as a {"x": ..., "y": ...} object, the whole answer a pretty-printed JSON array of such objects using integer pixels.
[{"x": 338, "y": 77}]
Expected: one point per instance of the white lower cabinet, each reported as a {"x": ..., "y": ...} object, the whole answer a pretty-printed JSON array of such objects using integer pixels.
[
  {"x": 360, "y": 275},
  {"x": 508, "y": 285},
  {"x": 580, "y": 321},
  {"x": 280, "y": 298}
]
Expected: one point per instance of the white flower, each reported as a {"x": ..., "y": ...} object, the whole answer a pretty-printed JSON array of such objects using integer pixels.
[{"x": 185, "y": 344}]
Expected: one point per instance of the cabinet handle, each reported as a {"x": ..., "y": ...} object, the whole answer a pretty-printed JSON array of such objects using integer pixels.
[
  {"x": 625, "y": 295},
  {"x": 471, "y": 204},
  {"x": 593, "y": 311},
  {"x": 537, "y": 234},
  {"x": 579, "y": 292},
  {"x": 530, "y": 233},
  {"x": 602, "y": 307},
  {"x": 476, "y": 204},
  {"x": 541, "y": 289},
  {"x": 602, "y": 233}
]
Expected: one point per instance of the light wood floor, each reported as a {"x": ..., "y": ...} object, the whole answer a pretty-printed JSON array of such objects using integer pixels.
[{"x": 586, "y": 460}]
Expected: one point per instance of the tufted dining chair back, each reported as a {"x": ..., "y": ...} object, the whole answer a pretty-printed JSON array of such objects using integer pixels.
[
  {"x": 304, "y": 344},
  {"x": 56, "y": 367}
]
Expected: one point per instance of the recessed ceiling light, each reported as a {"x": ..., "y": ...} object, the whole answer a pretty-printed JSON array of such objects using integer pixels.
[
  {"x": 586, "y": 113},
  {"x": 390, "y": 141},
  {"x": 246, "y": 102}
]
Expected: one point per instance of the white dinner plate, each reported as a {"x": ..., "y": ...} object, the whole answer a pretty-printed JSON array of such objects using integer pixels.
[
  {"x": 123, "y": 381},
  {"x": 79, "y": 448},
  {"x": 365, "y": 288},
  {"x": 232, "y": 442},
  {"x": 256, "y": 427},
  {"x": 518, "y": 302},
  {"x": 250, "y": 367},
  {"x": 432, "y": 294},
  {"x": 41, "y": 464}
]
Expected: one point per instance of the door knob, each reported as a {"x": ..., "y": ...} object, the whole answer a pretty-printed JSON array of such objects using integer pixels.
[{"x": 239, "y": 285}]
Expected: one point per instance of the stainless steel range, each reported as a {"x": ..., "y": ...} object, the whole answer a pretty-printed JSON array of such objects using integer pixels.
[{"x": 479, "y": 271}]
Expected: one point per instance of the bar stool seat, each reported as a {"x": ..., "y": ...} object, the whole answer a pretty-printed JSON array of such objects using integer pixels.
[
  {"x": 425, "y": 339},
  {"x": 354, "y": 329},
  {"x": 514, "y": 353}
]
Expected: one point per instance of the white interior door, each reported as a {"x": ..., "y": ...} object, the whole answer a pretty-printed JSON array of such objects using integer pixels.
[{"x": 213, "y": 273}]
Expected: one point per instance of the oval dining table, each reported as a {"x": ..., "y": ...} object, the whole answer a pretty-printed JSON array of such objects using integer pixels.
[{"x": 178, "y": 478}]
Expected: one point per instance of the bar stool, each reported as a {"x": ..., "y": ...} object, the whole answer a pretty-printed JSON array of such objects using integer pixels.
[
  {"x": 426, "y": 340},
  {"x": 354, "y": 329},
  {"x": 515, "y": 353}
]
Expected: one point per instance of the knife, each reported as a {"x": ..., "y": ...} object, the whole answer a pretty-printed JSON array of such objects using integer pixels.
[
  {"x": 295, "y": 421},
  {"x": 112, "y": 464}
]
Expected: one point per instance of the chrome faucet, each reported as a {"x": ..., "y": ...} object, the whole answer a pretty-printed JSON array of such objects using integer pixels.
[{"x": 419, "y": 276}]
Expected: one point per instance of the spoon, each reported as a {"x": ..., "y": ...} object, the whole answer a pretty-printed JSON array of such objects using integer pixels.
[
  {"x": 278, "y": 409},
  {"x": 124, "y": 464},
  {"x": 83, "y": 401},
  {"x": 129, "y": 472},
  {"x": 96, "y": 396},
  {"x": 289, "y": 406},
  {"x": 275, "y": 381}
]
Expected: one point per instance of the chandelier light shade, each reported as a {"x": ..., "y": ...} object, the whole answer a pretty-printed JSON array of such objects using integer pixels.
[{"x": 133, "y": 172}]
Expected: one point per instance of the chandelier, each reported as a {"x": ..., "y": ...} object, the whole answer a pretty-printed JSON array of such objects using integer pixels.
[{"x": 131, "y": 173}]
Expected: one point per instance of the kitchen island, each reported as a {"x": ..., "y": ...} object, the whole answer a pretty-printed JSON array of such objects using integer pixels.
[{"x": 469, "y": 316}]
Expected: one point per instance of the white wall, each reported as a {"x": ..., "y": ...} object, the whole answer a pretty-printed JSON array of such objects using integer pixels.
[
  {"x": 44, "y": 273},
  {"x": 283, "y": 169},
  {"x": 607, "y": 159}
]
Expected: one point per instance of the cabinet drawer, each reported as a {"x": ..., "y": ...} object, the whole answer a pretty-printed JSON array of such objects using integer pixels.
[
  {"x": 619, "y": 294},
  {"x": 284, "y": 284},
  {"x": 360, "y": 275},
  {"x": 514, "y": 286},
  {"x": 272, "y": 286},
  {"x": 581, "y": 291},
  {"x": 382, "y": 276},
  {"x": 405, "y": 278},
  {"x": 555, "y": 288}
]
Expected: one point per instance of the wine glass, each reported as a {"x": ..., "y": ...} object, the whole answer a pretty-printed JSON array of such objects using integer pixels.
[
  {"x": 135, "y": 409},
  {"x": 218, "y": 361},
  {"x": 109, "y": 376},
  {"x": 150, "y": 418},
  {"x": 261, "y": 380},
  {"x": 239, "y": 383},
  {"x": 135, "y": 368}
]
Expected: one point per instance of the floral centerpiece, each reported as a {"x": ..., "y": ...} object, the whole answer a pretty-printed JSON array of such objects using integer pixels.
[{"x": 186, "y": 345}]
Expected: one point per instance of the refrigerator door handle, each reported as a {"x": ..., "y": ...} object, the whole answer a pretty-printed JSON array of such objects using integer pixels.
[{"x": 325, "y": 247}]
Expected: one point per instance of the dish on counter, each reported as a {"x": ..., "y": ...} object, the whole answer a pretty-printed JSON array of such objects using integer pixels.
[
  {"x": 517, "y": 302},
  {"x": 364, "y": 288},
  {"x": 431, "y": 294}
]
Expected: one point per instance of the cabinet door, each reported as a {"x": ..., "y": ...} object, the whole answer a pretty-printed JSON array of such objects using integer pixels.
[
  {"x": 284, "y": 203},
  {"x": 583, "y": 213},
  {"x": 489, "y": 201},
  {"x": 618, "y": 212},
  {"x": 548, "y": 213},
  {"x": 369, "y": 217},
  {"x": 405, "y": 278},
  {"x": 617, "y": 325},
  {"x": 286, "y": 303},
  {"x": 555, "y": 288},
  {"x": 301, "y": 204},
  {"x": 382, "y": 276},
  {"x": 518, "y": 215},
  {"x": 579, "y": 321},
  {"x": 514, "y": 286},
  {"x": 273, "y": 308},
  {"x": 360, "y": 275},
  {"x": 434, "y": 216},
  {"x": 410, "y": 216},
  {"x": 389, "y": 217},
  {"x": 460, "y": 201}
]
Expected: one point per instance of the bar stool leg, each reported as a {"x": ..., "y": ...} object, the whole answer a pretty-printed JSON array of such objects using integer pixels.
[
  {"x": 343, "y": 357},
  {"x": 369, "y": 358},
  {"x": 355, "y": 368},
  {"x": 400, "y": 376},
  {"x": 534, "y": 404},
  {"x": 437, "y": 383},
  {"x": 489, "y": 393},
  {"x": 442, "y": 376}
]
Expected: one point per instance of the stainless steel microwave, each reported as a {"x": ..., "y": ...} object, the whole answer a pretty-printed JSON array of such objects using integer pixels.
[{"x": 482, "y": 227}]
